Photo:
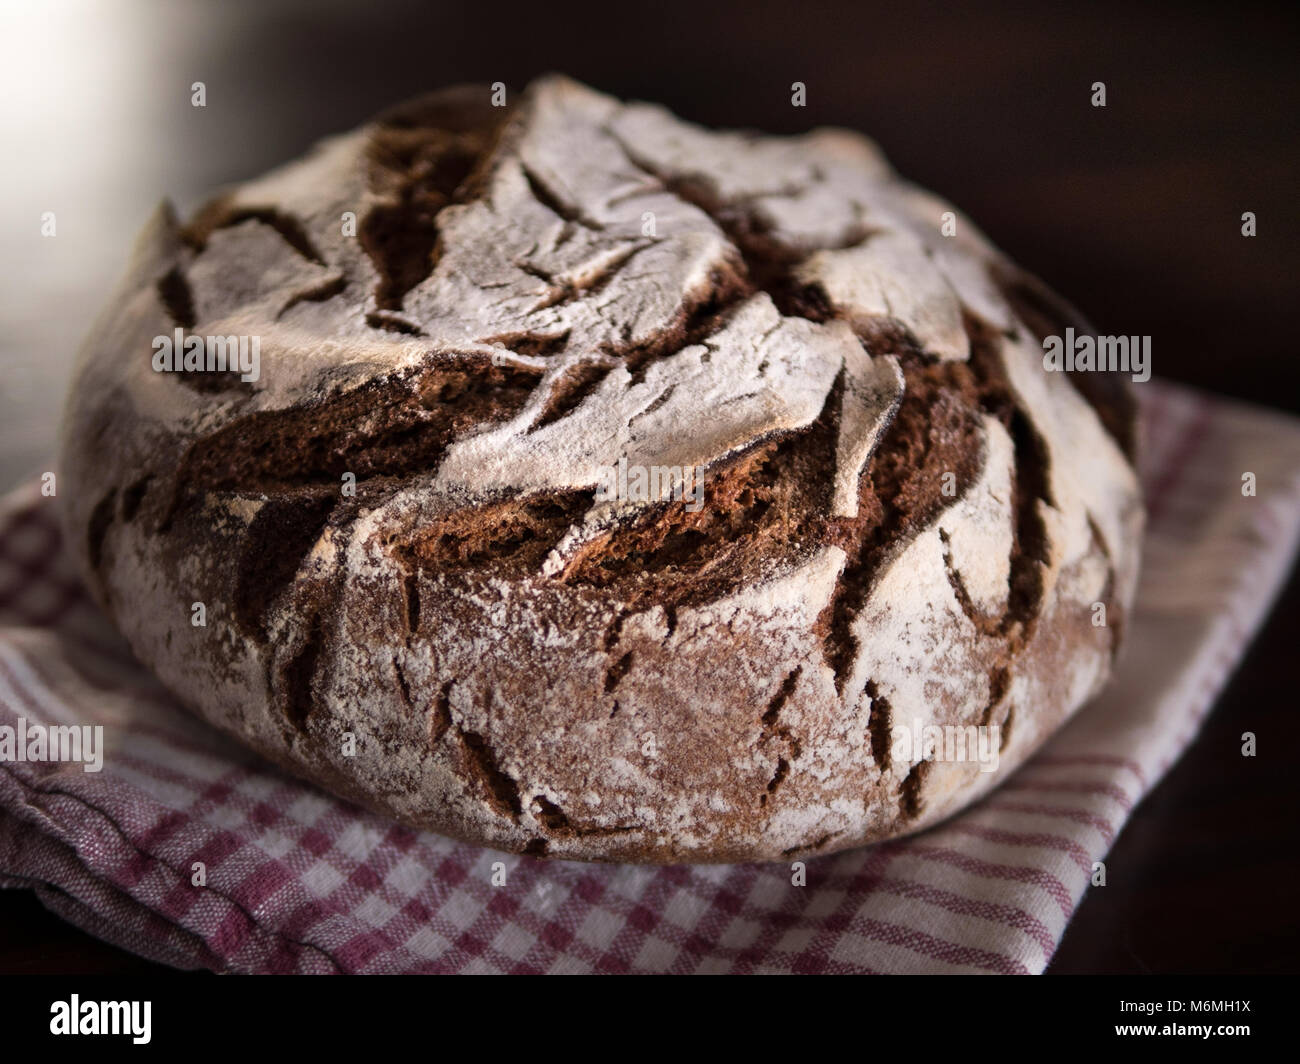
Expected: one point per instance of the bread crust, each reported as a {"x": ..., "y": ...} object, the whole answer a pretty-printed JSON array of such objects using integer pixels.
[{"x": 906, "y": 521}]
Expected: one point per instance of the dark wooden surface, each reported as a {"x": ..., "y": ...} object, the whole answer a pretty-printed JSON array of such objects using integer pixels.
[{"x": 1132, "y": 211}]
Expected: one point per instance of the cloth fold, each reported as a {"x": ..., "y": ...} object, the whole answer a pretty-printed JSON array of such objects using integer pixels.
[{"x": 189, "y": 850}]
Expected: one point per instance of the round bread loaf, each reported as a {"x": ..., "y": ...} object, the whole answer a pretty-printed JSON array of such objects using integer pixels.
[{"x": 603, "y": 487}]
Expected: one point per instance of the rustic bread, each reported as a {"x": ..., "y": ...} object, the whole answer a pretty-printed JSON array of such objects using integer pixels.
[{"x": 416, "y": 589}]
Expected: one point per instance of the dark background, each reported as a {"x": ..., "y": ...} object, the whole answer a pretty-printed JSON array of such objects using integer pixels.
[{"x": 1133, "y": 212}]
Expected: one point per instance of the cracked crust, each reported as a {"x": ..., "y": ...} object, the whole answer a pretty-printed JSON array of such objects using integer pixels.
[{"x": 532, "y": 294}]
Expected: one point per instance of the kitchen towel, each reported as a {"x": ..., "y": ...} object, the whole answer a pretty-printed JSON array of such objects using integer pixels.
[{"x": 299, "y": 881}]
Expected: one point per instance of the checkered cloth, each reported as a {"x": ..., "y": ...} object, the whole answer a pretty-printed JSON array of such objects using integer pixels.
[{"x": 298, "y": 881}]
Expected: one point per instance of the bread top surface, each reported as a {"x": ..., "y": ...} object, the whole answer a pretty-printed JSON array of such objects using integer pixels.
[{"x": 536, "y": 292}]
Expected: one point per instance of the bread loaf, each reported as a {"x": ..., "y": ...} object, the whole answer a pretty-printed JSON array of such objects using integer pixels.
[{"x": 597, "y": 486}]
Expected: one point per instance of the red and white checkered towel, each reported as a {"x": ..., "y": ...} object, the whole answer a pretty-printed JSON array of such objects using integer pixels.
[{"x": 298, "y": 881}]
